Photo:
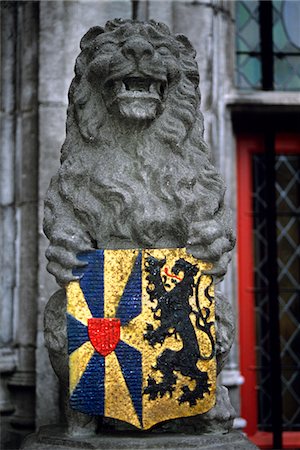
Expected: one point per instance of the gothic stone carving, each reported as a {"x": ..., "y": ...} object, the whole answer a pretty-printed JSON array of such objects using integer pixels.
[{"x": 136, "y": 172}]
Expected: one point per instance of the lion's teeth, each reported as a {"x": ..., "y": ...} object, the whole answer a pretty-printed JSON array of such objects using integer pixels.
[
  {"x": 153, "y": 88},
  {"x": 136, "y": 84},
  {"x": 157, "y": 88}
]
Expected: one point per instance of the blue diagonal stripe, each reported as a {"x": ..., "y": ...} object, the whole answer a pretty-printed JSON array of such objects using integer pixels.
[
  {"x": 130, "y": 304},
  {"x": 130, "y": 360},
  {"x": 77, "y": 333},
  {"x": 88, "y": 396},
  {"x": 92, "y": 281}
]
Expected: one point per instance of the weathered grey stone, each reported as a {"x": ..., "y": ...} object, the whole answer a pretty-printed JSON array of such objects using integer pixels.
[
  {"x": 7, "y": 188},
  {"x": 66, "y": 22},
  {"x": 53, "y": 438},
  {"x": 8, "y": 362},
  {"x": 161, "y": 10},
  {"x": 51, "y": 139},
  {"x": 135, "y": 135},
  {"x": 94, "y": 121},
  {"x": 51, "y": 136},
  {"x": 47, "y": 412},
  {"x": 62, "y": 23},
  {"x": 19, "y": 211}
]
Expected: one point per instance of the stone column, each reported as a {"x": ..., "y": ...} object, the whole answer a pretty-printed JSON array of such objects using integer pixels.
[
  {"x": 7, "y": 192},
  {"x": 18, "y": 207}
]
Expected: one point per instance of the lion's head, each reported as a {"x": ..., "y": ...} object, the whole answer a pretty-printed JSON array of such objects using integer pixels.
[
  {"x": 135, "y": 169},
  {"x": 134, "y": 66},
  {"x": 133, "y": 71}
]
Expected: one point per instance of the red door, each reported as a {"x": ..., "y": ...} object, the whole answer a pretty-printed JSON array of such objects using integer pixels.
[{"x": 253, "y": 313}]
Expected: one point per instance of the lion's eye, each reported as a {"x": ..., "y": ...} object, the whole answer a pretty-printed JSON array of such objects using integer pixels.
[{"x": 163, "y": 50}]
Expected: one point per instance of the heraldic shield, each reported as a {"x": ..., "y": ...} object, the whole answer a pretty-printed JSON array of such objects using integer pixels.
[{"x": 141, "y": 336}]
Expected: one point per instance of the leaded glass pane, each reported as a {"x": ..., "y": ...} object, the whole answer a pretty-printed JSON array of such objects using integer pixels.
[
  {"x": 288, "y": 239},
  {"x": 247, "y": 27},
  {"x": 261, "y": 293},
  {"x": 287, "y": 73},
  {"x": 286, "y": 44},
  {"x": 248, "y": 74},
  {"x": 288, "y": 248},
  {"x": 286, "y": 26},
  {"x": 285, "y": 34}
]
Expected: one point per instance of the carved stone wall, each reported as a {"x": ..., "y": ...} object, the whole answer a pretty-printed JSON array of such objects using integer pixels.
[
  {"x": 19, "y": 236},
  {"x": 40, "y": 41}
]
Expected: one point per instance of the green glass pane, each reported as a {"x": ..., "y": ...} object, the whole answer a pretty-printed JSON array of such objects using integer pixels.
[
  {"x": 280, "y": 40},
  {"x": 247, "y": 26},
  {"x": 248, "y": 74},
  {"x": 241, "y": 45},
  {"x": 242, "y": 15},
  {"x": 277, "y": 6},
  {"x": 252, "y": 70},
  {"x": 251, "y": 35},
  {"x": 276, "y": 16},
  {"x": 287, "y": 73},
  {"x": 242, "y": 59},
  {"x": 252, "y": 6}
]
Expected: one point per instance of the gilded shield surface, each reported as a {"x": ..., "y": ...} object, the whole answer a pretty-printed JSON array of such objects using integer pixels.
[{"x": 141, "y": 336}]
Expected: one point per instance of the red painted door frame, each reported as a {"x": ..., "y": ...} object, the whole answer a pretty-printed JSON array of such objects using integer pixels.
[{"x": 247, "y": 145}]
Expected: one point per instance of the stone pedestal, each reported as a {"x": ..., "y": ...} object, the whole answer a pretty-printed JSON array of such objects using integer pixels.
[{"x": 54, "y": 438}]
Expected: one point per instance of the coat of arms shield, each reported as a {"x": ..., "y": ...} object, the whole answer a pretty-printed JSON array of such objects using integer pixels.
[{"x": 141, "y": 336}]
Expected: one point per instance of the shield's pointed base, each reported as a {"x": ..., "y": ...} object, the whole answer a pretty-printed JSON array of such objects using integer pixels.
[{"x": 55, "y": 438}]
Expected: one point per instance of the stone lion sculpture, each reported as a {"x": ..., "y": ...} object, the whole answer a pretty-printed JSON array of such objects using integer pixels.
[{"x": 135, "y": 171}]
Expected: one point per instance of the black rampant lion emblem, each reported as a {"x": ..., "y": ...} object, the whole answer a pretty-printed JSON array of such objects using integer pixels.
[{"x": 173, "y": 311}]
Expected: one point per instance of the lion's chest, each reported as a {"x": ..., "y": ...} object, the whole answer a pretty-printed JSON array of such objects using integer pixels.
[{"x": 132, "y": 208}]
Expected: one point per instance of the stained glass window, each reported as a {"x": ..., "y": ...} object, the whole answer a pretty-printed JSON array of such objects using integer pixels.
[
  {"x": 255, "y": 31},
  {"x": 286, "y": 44}
]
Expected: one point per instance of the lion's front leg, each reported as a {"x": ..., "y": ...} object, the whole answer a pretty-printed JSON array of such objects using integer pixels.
[
  {"x": 66, "y": 235},
  {"x": 210, "y": 241},
  {"x": 156, "y": 336},
  {"x": 62, "y": 256}
]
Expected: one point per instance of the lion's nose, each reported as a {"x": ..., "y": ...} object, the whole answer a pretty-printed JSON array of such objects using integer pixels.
[{"x": 137, "y": 49}]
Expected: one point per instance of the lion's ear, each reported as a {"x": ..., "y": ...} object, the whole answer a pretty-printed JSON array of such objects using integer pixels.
[
  {"x": 186, "y": 43},
  {"x": 89, "y": 36}
]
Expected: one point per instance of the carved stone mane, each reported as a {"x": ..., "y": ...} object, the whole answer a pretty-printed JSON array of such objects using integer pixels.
[{"x": 135, "y": 170}]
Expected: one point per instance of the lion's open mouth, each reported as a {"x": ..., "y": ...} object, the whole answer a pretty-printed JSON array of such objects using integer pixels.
[
  {"x": 136, "y": 97},
  {"x": 145, "y": 86},
  {"x": 138, "y": 87}
]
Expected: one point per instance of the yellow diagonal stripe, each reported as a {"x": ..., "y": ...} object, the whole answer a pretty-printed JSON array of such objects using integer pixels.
[
  {"x": 78, "y": 361},
  {"x": 133, "y": 333},
  {"x": 77, "y": 305},
  {"x": 118, "y": 403},
  {"x": 118, "y": 265}
]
